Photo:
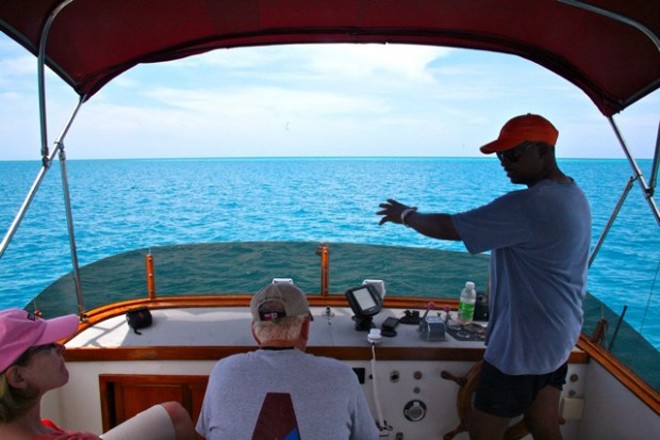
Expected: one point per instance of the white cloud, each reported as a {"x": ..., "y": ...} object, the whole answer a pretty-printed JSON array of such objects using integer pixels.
[
  {"x": 313, "y": 100},
  {"x": 366, "y": 61},
  {"x": 256, "y": 101},
  {"x": 20, "y": 65}
]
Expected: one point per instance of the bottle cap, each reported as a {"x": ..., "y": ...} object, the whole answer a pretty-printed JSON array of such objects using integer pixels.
[{"x": 469, "y": 285}]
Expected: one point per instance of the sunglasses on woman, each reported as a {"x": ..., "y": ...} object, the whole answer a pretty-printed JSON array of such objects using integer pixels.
[{"x": 22, "y": 360}]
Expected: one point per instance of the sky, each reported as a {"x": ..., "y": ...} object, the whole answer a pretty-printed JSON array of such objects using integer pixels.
[{"x": 311, "y": 100}]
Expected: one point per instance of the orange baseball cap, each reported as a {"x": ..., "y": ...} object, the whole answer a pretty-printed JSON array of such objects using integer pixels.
[{"x": 523, "y": 128}]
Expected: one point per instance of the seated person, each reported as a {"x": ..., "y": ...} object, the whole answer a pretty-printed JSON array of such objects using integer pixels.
[
  {"x": 279, "y": 391},
  {"x": 31, "y": 363}
]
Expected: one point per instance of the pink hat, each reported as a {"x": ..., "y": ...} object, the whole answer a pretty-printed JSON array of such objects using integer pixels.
[
  {"x": 20, "y": 330},
  {"x": 523, "y": 128}
]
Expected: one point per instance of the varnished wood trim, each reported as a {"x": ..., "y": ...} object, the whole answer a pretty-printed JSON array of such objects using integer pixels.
[
  {"x": 342, "y": 353},
  {"x": 218, "y": 352},
  {"x": 622, "y": 373},
  {"x": 155, "y": 379},
  {"x": 168, "y": 302},
  {"x": 186, "y": 353}
]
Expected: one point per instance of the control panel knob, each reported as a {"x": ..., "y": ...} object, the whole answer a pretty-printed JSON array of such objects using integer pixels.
[{"x": 415, "y": 410}]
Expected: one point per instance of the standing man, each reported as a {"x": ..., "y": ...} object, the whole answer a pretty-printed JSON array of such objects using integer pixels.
[
  {"x": 279, "y": 391},
  {"x": 539, "y": 240}
]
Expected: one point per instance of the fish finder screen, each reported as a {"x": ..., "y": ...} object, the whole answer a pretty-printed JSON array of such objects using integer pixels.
[
  {"x": 365, "y": 303},
  {"x": 364, "y": 299}
]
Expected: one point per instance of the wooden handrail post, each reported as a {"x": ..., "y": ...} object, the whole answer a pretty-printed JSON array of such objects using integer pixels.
[
  {"x": 324, "y": 252},
  {"x": 151, "y": 279}
]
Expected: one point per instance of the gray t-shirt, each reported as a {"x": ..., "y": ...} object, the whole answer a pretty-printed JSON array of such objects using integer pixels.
[
  {"x": 539, "y": 238},
  {"x": 325, "y": 395}
]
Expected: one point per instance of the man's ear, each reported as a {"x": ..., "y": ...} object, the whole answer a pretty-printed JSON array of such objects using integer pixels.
[
  {"x": 254, "y": 335},
  {"x": 304, "y": 329},
  {"x": 15, "y": 377}
]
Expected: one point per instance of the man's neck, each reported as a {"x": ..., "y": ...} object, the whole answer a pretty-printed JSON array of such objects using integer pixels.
[
  {"x": 553, "y": 174},
  {"x": 299, "y": 343}
]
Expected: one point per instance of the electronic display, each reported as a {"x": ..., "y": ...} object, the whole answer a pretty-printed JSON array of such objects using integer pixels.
[{"x": 365, "y": 301}]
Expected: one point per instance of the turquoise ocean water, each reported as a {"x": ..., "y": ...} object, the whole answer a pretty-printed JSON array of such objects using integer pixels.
[{"x": 121, "y": 205}]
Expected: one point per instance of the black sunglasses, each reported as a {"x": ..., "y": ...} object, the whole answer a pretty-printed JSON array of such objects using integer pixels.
[
  {"x": 513, "y": 155},
  {"x": 22, "y": 359}
]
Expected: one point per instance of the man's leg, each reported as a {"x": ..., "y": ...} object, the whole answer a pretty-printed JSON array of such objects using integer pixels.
[
  {"x": 484, "y": 426},
  {"x": 542, "y": 417},
  {"x": 494, "y": 404}
]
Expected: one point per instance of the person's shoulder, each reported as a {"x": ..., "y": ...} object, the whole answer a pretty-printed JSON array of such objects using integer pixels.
[
  {"x": 234, "y": 359},
  {"x": 558, "y": 189},
  {"x": 323, "y": 359}
]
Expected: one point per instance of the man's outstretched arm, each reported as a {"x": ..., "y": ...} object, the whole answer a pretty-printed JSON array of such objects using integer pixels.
[{"x": 437, "y": 225}]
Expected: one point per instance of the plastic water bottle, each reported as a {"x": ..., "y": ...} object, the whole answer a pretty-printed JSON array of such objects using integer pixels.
[{"x": 467, "y": 303}]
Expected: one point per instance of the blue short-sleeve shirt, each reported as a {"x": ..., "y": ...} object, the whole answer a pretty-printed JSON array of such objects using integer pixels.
[{"x": 539, "y": 238}]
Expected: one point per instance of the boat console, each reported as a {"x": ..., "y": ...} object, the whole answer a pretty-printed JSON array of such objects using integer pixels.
[{"x": 403, "y": 373}]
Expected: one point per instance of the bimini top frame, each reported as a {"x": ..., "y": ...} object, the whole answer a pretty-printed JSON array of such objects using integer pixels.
[{"x": 608, "y": 48}]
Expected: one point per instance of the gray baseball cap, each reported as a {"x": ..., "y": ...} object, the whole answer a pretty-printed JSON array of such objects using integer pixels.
[{"x": 278, "y": 300}]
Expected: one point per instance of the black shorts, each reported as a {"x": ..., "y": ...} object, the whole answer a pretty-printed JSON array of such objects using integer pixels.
[{"x": 508, "y": 396}]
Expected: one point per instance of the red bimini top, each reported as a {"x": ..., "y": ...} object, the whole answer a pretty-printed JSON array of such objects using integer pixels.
[{"x": 612, "y": 53}]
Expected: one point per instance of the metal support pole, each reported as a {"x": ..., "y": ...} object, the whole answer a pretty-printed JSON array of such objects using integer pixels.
[
  {"x": 25, "y": 205},
  {"x": 656, "y": 161},
  {"x": 41, "y": 82},
  {"x": 637, "y": 172},
  {"x": 616, "y": 329},
  {"x": 610, "y": 222},
  {"x": 35, "y": 185},
  {"x": 47, "y": 158},
  {"x": 615, "y": 16},
  {"x": 72, "y": 235},
  {"x": 647, "y": 190}
]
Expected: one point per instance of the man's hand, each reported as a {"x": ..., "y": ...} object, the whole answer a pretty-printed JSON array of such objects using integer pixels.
[
  {"x": 432, "y": 225},
  {"x": 391, "y": 211}
]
